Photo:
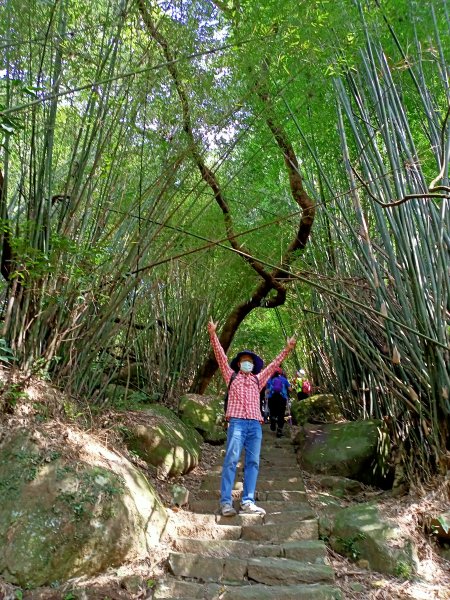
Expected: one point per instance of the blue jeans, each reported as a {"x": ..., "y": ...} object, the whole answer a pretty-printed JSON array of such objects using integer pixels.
[{"x": 242, "y": 434}]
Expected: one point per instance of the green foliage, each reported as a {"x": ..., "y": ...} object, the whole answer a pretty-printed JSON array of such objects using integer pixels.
[
  {"x": 115, "y": 268},
  {"x": 444, "y": 523},
  {"x": 349, "y": 545},
  {"x": 6, "y": 354},
  {"x": 403, "y": 570},
  {"x": 12, "y": 394}
]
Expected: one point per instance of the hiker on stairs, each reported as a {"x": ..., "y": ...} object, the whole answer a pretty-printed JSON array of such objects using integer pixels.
[
  {"x": 278, "y": 388},
  {"x": 245, "y": 378}
]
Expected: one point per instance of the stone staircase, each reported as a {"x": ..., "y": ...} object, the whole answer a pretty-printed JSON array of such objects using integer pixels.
[{"x": 251, "y": 557}]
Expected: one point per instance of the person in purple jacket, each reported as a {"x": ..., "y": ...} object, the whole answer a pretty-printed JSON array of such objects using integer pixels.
[{"x": 278, "y": 388}]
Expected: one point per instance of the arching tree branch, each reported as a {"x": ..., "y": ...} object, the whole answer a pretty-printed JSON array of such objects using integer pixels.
[{"x": 274, "y": 280}]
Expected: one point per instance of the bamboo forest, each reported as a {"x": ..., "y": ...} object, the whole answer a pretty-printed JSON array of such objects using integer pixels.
[{"x": 270, "y": 173}]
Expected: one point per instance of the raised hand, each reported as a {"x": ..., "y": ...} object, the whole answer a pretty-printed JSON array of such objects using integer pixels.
[
  {"x": 212, "y": 327},
  {"x": 291, "y": 343}
]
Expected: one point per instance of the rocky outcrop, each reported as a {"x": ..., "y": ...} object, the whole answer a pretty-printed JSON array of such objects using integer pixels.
[
  {"x": 205, "y": 414},
  {"x": 360, "y": 533},
  {"x": 161, "y": 439},
  {"x": 321, "y": 408},
  {"x": 70, "y": 507},
  {"x": 341, "y": 449}
]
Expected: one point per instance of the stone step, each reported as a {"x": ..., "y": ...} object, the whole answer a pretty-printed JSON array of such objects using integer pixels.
[
  {"x": 213, "y": 519},
  {"x": 300, "y": 514},
  {"x": 272, "y": 443},
  {"x": 272, "y": 495},
  {"x": 270, "y": 437},
  {"x": 311, "y": 551},
  {"x": 267, "y": 463},
  {"x": 211, "y": 505},
  {"x": 274, "y": 532},
  {"x": 212, "y": 482},
  {"x": 280, "y": 471},
  {"x": 307, "y": 529},
  {"x": 268, "y": 570},
  {"x": 213, "y": 532},
  {"x": 277, "y": 462},
  {"x": 210, "y": 519},
  {"x": 170, "y": 588}
]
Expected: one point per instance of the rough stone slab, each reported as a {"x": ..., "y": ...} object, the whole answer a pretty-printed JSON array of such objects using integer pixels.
[
  {"x": 240, "y": 519},
  {"x": 285, "y": 495},
  {"x": 234, "y": 569},
  {"x": 280, "y": 467},
  {"x": 212, "y": 482},
  {"x": 271, "y": 440},
  {"x": 204, "y": 568},
  {"x": 215, "y": 494},
  {"x": 213, "y": 518},
  {"x": 311, "y": 551},
  {"x": 302, "y": 530},
  {"x": 211, "y": 506},
  {"x": 260, "y": 495},
  {"x": 294, "y": 592},
  {"x": 283, "y": 470},
  {"x": 282, "y": 571},
  {"x": 218, "y": 532},
  {"x": 170, "y": 588},
  {"x": 267, "y": 570},
  {"x": 302, "y": 512},
  {"x": 288, "y": 461},
  {"x": 218, "y": 548},
  {"x": 272, "y": 453},
  {"x": 287, "y": 484}
]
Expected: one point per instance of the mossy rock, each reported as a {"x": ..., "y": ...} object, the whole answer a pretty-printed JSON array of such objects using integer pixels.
[
  {"x": 70, "y": 508},
  {"x": 160, "y": 438},
  {"x": 205, "y": 414},
  {"x": 321, "y": 408},
  {"x": 340, "y": 487},
  {"x": 360, "y": 532},
  {"x": 341, "y": 449}
]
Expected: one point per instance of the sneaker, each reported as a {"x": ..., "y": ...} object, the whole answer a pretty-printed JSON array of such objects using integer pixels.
[
  {"x": 279, "y": 433},
  {"x": 251, "y": 509},
  {"x": 227, "y": 510}
]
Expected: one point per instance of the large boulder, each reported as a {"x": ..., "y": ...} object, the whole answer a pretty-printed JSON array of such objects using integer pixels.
[
  {"x": 161, "y": 439},
  {"x": 321, "y": 408},
  {"x": 70, "y": 507},
  {"x": 360, "y": 533},
  {"x": 341, "y": 449},
  {"x": 205, "y": 414}
]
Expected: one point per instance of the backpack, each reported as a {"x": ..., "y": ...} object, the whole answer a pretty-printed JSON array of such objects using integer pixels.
[
  {"x": 277, "y": 385},
  {"x": 225, "y": 398},
  {"x": 306, "y": 387}
]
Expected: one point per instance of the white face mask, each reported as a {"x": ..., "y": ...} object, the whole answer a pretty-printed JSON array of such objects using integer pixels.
[{"x": 246, "y": 366}]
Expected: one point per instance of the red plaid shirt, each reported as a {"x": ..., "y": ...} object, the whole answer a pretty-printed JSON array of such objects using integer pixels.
[{"x": 243, "y": 396}]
